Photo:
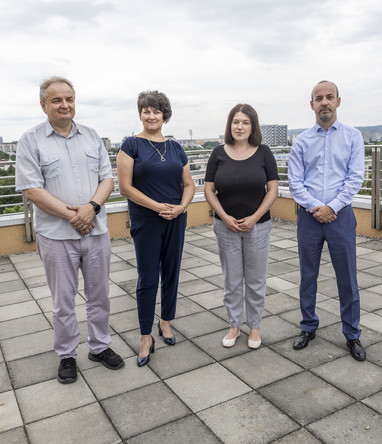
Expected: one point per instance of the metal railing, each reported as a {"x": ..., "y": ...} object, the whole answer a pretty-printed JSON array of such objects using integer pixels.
[{"x": 371, "y": 190}]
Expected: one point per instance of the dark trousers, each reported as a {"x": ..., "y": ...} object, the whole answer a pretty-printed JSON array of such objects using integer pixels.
[
  {"x": 340, "y": 236},
  {"x": 158, "y": 248}
]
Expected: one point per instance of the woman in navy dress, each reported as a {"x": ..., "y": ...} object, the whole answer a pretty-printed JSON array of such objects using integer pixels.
[{"x": 154, "y": 174}]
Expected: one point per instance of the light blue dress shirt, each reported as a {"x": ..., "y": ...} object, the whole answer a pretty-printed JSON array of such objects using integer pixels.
[
  {"x": 70, "y": 168},
  {"x": 326, "y": 168}
]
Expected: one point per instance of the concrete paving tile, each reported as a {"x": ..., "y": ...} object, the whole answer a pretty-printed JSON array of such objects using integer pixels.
[
  {"x": 366, "y": 280},
  {"x": 198, "y": 324},
  {"x": 206, "y": 270},
  {"x": 157, "y": 400},
  {"x": 282, "y": 255},
  {"x": 33, "y": 369},
  {"x": 325, "y": 318},
  {"x": 317, "y": 353},
  {"x": 375, "y": 402},
  {"x": 274, "y": 329},
  {"x": 247, "y": 419},
  {"x": 331, "y": 305},
  {"x": 35, "y": 262},
  {"x": 19, "y": 310},
  {"x": 23, "y": 326},
  {"x": 5, "y": 382},
  {"x": 32, "y": 272},
  {"x": 185, "y": 307},
  {"x": 207, "y": 386},
  {"x": 376, "y": 289},
  {"x": 122, "y": 276},
  {"x": 12, "y": 286},
  {"x": 279, "y": 285},
  {"x": 115, "y": 290},
  {"x": 51, "y": 398},
  {"x": 372, "y": 321},
  {"x": 122, "y": 303},
  {"x": 14, "y": 436},
  {"x": 192, "y": 262},
  {"x": 189, "y": 430},
  {"x": 301, "y": 436},
  {"x": 370, "y": 301},
  {"x": 41, "y": 292},
  {"x": 305, "y": 397},
  {"x": 202, "y": 242},
  {"x": 261, "y": 367},
  {"x": 374, "y": 353},
  {"x": 377, "y": 271},
  {"x": 36, "y": 281},
  {"x": 8, "y": 276},
  {"x": 6, "y": 266},
  {"x": 27, "y": 345},
  {"x": 221, "y": 312},
  {"x": 194, "y": 287},
  {"x": 328, "y": 287},
  {"x": 127, "y": 320},
  {"x": 1, "y": 357},
  {"x": 280, "y": 302},
  {"x": 68, "y": 428},
  {"x": 355, "y": 424},
  {"x": 14, "y": 297},
  {"x": 23, "y": 257},
  {"x": 10, "y": 417},
  {"x": 279, "y": 268},
  {"x": 210, "y": 299},
  {"x": 106, "y": 383},
  {"x": 119, "y": 266},
  {"x": 333, "y": 333},
  {"x": 358, "y": 379},
  {"x": 181, "y": 358},
  {"x": 212, "y": 345},
  {"x": 185, "y": 276},
  {"x": 216, "y": 280},
  {"x": 285, "y": 243}
]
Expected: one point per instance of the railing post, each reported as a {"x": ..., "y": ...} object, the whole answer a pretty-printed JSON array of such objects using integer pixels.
[
  {"x": 376, "y": 189},
  {"x": 30, "y": 234}
]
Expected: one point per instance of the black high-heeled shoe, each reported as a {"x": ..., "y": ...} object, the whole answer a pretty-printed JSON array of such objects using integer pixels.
[
  {"x": 145, "y": 359},
  {"x": 168, "y": 341}
]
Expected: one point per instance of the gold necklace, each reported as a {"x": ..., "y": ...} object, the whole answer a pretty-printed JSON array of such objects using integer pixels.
[{"x": 156, "y": 149}]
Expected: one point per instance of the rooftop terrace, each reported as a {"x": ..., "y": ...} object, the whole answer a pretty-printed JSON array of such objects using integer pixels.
[{"x": 197, "y": 391}]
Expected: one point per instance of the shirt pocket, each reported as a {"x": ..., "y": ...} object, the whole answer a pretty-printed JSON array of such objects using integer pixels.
[
  {"x": 93, "y": 160},
  {"x": 51, "y": 167}
]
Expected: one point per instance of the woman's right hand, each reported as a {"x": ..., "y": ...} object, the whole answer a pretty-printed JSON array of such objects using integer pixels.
[{"x": 232, "y": 224}]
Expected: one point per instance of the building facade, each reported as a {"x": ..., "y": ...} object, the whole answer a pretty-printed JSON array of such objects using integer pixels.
[{"x": 275, "y": 135}]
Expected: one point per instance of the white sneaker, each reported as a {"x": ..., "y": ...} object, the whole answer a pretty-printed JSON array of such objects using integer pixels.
[{"x": 230, "y": 342}]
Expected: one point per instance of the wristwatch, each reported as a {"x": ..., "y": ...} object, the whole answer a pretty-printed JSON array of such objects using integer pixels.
[{"x": 97, "y": 207}]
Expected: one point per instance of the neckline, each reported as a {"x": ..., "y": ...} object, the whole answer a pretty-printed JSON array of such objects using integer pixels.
[{"x": 240, "y": 160}]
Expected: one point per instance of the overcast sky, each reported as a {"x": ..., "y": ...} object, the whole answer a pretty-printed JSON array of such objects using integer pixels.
[{"x": 206, "y": 55}]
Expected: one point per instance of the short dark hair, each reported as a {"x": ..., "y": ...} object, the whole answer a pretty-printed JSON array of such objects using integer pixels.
[
  {"x": 325, "y": 81},
  {"x": 255, "y": 137},
  {"x": 47, "y": 82},
  {"x": 155, "y": 100}
]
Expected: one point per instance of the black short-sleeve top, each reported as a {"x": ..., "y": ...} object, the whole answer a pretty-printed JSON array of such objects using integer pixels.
[
  {"x": 240, "y": 184},
  {"x": 161, "y": 181}
]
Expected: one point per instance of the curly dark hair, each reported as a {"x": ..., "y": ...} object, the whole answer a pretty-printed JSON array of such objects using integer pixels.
[
  {"x": 155, "y": 100},
  {"x": 255, "y": 137}
]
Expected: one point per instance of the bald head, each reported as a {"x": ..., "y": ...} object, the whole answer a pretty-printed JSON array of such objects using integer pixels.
[{"x": 325, "y": 81}]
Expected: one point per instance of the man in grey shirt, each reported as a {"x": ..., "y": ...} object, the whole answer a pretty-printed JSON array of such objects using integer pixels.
[{"x": 64, "y": 169}]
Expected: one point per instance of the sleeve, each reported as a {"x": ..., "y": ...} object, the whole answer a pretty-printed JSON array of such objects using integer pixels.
[
  {"x": 105, "y": 171},
  {"x": 212, "y": 165},
  {"x": 296, "y": 176},
  {"x": 130, "y": 147},
  {"x": 183, "y": 155},
  {"x": 354, "y": 175},
  {"x": 28, "y": 168},
  {"x": 270, "y": 164}
]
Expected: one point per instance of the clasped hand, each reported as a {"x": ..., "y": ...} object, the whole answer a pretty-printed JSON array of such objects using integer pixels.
[
  {"x": 324, "y": 214},
  {"x": 239, "y": 225},
  {"x": 83, "y": 219},
  {"x": 170, "y": 211}
]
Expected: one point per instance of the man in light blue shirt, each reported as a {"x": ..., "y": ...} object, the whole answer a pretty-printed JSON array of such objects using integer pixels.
[
  {"x": 64, "y": 169},
  {"x": 325, "y": 171}
]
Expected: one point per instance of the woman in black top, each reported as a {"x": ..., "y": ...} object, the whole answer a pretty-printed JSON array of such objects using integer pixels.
[{"x": 241, "y": 185}]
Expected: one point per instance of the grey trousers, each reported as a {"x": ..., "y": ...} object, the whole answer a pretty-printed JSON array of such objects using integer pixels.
[
  {"x": 62, "y": 259},
  {"x": 244, "y": 257}
]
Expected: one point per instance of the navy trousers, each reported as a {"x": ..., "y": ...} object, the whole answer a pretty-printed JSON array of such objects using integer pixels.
[
  {"x": 158, "y": 248},
  {"x": 340, "y": 236}
]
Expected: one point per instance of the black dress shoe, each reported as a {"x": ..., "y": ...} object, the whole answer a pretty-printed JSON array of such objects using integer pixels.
[
  {"x": 168, "y": 341},
  {"x": 145, "y": 359},
  {"x": 303, "y": 338},
  {"x": 356, "y": 349}
]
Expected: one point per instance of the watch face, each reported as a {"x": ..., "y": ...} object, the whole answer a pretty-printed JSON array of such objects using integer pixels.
[{"x": 97, "y": 207}]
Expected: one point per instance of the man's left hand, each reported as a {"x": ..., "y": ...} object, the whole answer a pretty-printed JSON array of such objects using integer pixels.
[
  {"x": 83, "y": 219},
  {"x": 324, "y": 214}
]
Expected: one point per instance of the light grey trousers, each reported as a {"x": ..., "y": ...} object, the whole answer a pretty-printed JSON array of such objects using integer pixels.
[
  {"x": 244, "y": 257},
  {"x": 62, "y": 259}
]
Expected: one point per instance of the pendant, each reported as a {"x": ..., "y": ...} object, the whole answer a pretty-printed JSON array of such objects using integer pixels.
[{"x": 162, "y": 159}]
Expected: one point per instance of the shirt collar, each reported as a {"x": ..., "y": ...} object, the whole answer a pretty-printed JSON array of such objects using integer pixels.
[
  {"x": 319, "y": 128},
  {"x": 50, "y": 130}
]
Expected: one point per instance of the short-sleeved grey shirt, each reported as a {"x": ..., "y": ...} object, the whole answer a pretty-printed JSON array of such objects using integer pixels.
[{"x": 70, "y": 168}]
